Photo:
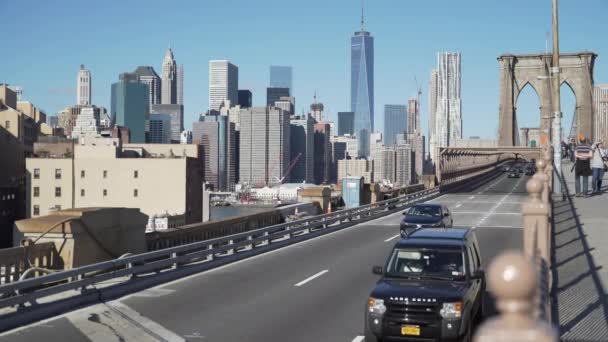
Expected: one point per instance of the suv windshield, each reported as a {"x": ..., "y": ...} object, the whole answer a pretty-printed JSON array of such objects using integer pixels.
[
  {"x": 432, "y": 263},
  {"x": 424, "y": 210}
]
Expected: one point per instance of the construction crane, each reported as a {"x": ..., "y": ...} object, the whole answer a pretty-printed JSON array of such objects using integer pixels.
[{"x": 290, "y": 167}]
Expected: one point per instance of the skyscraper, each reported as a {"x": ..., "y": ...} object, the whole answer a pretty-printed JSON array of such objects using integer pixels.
[
  {"x": 131, "y": 107},
  {"x": 169, "y": 79},
  {"x": 448, "y": 116},
  {"x": 83, "y": 88},
  {"x": 281, "y": 77},
  {"x": 316, "y": 110},
  {"x": 180, "y": 85},
  {"x": 274, "y": 94},
  {"x": 395, "y": 122},
  {"x": 245, "y": 98},
  {"x": 600, "y": 104},
  {"x": 217, "y": 135},
  {"x": 322, "y": 148},
  {"x": 223, "y": 83},
  {"x": 302, "y": 140},
  {"x": 160, "y": 129},
  {"x": 176, "y": 112},
  {"x": 432, "y": 112},
  {"x": 264, "y": 145},
  {"x": 346, "y": 123},
  {"x": 413, "y": 117},
  {"x": 362, "y": 86},
  {"x": 403, "y": 165},
  {"x": 149, "y": 77}
]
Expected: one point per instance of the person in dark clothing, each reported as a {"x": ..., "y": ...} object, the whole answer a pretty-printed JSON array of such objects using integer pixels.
[{"x": 582, "y": 167}]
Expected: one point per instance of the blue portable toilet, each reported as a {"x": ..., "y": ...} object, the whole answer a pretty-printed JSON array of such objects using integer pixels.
[{"x": 351, "y": 191}]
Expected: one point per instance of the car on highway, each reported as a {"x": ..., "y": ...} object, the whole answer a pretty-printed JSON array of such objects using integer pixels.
[
  {"x": 432, "y": 289},
  {"x": 530, "y": 171},
  {"x": 513, "y": 174},
  {"x": 425, "y": 215}
]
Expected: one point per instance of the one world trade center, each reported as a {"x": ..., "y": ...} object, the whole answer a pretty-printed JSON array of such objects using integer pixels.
[{"x": 362, "y": 87}]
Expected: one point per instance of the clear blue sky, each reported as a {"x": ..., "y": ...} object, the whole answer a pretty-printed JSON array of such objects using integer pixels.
[{"x": 44, "y": 42}]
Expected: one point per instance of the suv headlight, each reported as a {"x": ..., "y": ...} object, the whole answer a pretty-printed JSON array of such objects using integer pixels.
[
  {"x": 376, "y": 306},
  {"x": 451, "y": 310}
]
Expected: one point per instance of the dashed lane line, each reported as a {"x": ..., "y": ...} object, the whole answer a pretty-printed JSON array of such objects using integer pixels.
[
  {"x": 502, "y": 200},
  {"x": 392, "y": 238},
  {"x": 358, "y": 338},
  {"x": 312, "y": 277}
]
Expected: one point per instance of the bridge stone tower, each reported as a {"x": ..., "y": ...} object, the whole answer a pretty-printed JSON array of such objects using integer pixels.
[{"x": 518, "y": 71}]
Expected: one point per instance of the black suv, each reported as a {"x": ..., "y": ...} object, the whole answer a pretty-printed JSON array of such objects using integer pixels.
[
  {"x": 432, "y": 289},
  {"x": 425, "y": 215}
]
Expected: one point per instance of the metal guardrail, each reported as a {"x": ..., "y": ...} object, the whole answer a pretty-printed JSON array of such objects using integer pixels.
[{"x": 30, "y": 290}]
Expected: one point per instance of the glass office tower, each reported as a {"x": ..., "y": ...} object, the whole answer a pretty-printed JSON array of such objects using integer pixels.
[
  {"x": 395, "y": 122},
  {"x": 281, "y": 77},
  {"x": 131, "y": 107},
  {"x": 362, "y": 87}
]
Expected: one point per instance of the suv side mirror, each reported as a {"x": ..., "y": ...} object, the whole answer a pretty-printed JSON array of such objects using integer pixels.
[
  {"x": 404, "y": 213},
  {"x": 479, "y": 274},
  {"x": 446, "y": 214},
  {"x": 377, "y": 270}
]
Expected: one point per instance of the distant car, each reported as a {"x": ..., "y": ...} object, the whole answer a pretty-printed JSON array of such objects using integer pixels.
[
  {"x": 506, "y": 168},
  {"x": 425, "y": 216},
  {"x": 514, "y": 174},
  {"x": 432, "y": 289}
]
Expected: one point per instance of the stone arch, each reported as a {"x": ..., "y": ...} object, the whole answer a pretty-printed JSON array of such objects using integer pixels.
[{"x": 517, "y": 71}]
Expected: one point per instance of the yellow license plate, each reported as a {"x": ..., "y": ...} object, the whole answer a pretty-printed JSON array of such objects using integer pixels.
[{"x": 411, "y": 330}]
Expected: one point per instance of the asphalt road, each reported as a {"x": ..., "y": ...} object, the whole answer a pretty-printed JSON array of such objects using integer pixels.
[{"x": 312, "y": 291}]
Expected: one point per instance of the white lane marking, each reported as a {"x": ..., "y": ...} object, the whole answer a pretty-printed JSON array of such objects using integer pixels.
[
  {"x": 194, "y": 335},
  {"x": 472, "y": 197},
  {"x": 392, "y": 238},
  {"x": 358, "y": 338},
  {"x": 482, "y": 212},
  {"x": 491, "y": 212},
  {"x": 458, "y": 205},
  {"x": 312, "y": 277}
]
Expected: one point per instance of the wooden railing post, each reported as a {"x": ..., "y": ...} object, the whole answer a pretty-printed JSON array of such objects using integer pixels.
[{"x": 513, "y": 280}]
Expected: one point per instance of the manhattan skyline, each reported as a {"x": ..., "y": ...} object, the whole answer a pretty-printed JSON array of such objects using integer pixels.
[{"x": 408, "y": 36}]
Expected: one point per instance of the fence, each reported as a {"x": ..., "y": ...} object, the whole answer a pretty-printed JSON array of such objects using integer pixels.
[
  {"x": 14, "y": 262},
  {"x": 520, "y": 282}
]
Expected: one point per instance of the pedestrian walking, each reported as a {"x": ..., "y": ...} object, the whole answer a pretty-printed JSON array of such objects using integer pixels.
[
  {"x": 582, "y": 167},
  {"x": 598, "y": 166}
]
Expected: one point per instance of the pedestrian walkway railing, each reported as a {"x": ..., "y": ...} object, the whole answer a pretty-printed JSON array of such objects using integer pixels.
[{"x": 521, "y": 282}]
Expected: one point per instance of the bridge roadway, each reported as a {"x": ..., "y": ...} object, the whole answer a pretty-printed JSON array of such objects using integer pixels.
[{"x": 311, "y": 291}]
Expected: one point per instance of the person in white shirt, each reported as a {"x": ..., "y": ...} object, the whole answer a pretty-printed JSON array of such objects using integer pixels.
[{"x": 598, "y": 166}]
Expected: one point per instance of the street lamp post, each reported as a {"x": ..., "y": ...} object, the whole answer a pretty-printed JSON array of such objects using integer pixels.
[{"x": 557, "y": 112}]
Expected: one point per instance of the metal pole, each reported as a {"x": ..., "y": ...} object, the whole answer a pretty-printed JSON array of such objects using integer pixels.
[{"x": 557, "y": 112}]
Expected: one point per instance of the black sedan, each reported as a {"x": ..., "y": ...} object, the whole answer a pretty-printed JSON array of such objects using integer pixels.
[
  {"x": 514, "y": 174},
  {"x": 425, "y": 216},
  {"x": 530, "y": 171}
]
